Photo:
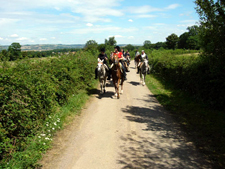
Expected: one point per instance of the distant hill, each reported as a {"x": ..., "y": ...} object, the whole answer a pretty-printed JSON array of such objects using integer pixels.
[{"x": 44, "y": 47}]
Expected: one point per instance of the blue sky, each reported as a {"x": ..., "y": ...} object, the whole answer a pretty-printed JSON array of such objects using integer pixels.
[{"x": 77, "y": 21}]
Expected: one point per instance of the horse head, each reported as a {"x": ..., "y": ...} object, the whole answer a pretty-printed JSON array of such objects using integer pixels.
[
  {"x": 115, "y": 59},
  {"x": 100, "y": 64},
  {"x": 145, "y": 64}
]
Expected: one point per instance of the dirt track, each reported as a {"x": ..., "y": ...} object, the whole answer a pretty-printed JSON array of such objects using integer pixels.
[{"x": 131, "y": 132}]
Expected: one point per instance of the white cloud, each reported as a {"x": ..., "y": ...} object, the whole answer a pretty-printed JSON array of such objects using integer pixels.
[
  {"x": 53, "y": 37},
  {"x": 103, "y": 29},
  {"x": 14, "y": 36},
  {"x": 1, "y": 38},
  {"x": 57, "y": 8},
  {"x": 146, "y": 16},
  {"x": 142, "y": 9},
  {"x": 118, "y": 36},
  {"x": 173, "y": 6},
  {"x": 89, "y": 24},
  {"x": 43, "y": 39},
  {"x": 130, "y": 20},
  {"x": 130, "y": 37},
  {"x": 22, "y": 39}
]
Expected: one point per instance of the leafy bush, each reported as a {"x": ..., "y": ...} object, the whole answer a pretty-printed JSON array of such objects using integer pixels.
[
  {"x": 30, "y": 92},
  {"x": 192, "y": 74}
]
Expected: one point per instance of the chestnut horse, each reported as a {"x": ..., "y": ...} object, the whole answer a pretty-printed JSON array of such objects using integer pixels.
[{"x": 117, "y": 75}]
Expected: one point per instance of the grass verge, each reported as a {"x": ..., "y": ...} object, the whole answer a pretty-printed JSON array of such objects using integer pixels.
[{"x": 205, "y": 127}]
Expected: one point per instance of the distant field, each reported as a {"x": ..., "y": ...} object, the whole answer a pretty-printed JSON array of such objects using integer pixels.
[{"x": 189, "y": 54}]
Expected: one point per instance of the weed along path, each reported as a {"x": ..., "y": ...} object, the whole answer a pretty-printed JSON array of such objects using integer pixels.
[{"x": 131, "y": 132}]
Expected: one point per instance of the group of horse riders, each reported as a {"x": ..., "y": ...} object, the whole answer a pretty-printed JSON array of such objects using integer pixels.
[{"x": 123, "y": 56}]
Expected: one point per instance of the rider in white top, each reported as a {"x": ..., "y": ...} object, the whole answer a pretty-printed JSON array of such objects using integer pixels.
[{"x": 143, "y": 57}]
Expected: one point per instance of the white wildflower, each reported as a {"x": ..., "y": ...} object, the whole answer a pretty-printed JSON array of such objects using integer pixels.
[
  {"x": 42, "y": 135},
  {"x": 43, "y": 143},
  {"x": 47, "y": 124},
  {"x": 55, "y": 123},
  {"x": 46, "y": 138},
  {"x": 53, "y": 128}
]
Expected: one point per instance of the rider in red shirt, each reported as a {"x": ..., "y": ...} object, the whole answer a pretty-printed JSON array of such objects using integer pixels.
[{"x": 120, "y": 56}]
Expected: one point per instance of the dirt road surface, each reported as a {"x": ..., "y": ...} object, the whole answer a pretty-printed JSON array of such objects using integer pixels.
[{"x": 131, "y": 132}]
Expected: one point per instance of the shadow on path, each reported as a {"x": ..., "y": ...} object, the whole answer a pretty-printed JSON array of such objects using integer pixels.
[{"x": 160, "y": 146}]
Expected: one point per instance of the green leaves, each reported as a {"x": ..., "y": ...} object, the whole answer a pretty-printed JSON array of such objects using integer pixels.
[{"x": 30, "y": 92}]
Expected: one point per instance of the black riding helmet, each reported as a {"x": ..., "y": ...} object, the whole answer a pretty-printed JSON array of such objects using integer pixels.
[
  {"x": 102, "y": 50},
  {"x": 117, "y": 47}
]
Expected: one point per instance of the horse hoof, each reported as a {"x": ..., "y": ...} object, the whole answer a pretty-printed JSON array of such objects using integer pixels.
[
  {"x": 104, "y": 91},
  {"x": 121, "y": 92}
]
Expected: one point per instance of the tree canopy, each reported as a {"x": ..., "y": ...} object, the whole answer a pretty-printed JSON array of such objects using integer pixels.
[{"x": 172, "y": 40}]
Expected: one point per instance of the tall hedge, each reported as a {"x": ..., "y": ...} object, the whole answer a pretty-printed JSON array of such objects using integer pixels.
[
  {"x": 30, "y": 90},
  {"x": 192, "y": 74}
]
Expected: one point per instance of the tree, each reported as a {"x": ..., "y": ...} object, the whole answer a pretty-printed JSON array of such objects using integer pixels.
[
  {"x": 182, "y": 43},
  {"x": 160, "y": 45},
  {"x": 171, "y": 41},
  {"x": 111, "y": 41},
  {"x": 101, "y": 46},
  {"x": 212, "y": 34},
  {"x": 147, "y": 44},
  {"x": 15, "y": 51},
  {"x": 130, "y": 47},
  {"x": 192, "y": 42},
  {"x": 90, "y": 45}
]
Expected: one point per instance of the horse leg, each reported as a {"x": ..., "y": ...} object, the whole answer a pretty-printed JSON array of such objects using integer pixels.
[
  {"x": 104, "y": 84},
  {"x": 118, "y": 85},
  {"x": 101, "y": 84},
  {"x": 121, "y": 87},
  {"x": 143, "y": 78}
]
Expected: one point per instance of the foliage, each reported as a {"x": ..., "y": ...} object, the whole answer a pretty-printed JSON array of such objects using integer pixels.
[
  {"x": 31, "y": 91},
  {"x": 182, "y": 43},
  {"x": 91, "y": 45},
  {"x": 191, "y": 74},
  {"x": 129, "y": 47},
  {"x": 15, "y": 51},
  {"x": 212, "y": 19},
  {"x": 101, "y": 46},
  {"x": 147, "y": 44},
  {"x": 111, "y": 41},
  {"x": 171, "y": 41}
]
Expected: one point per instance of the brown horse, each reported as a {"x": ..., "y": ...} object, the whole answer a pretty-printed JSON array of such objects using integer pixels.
[
  {"x": 117, "y": 75},
  {"x": 137, "y": 59}
]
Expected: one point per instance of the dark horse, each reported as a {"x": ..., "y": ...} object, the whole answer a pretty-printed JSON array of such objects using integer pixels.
[
  {"x": 136, "y": 61},
  {"x": 117, "y": 75}
]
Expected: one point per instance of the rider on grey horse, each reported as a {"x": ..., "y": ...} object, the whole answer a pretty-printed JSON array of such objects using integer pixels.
[
  {"x": 103, "y": 56},
  {"x": 143, "y": 57}
]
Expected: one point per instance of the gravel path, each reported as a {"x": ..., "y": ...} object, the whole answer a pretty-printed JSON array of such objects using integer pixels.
[{"x": 131, "y": 132}]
